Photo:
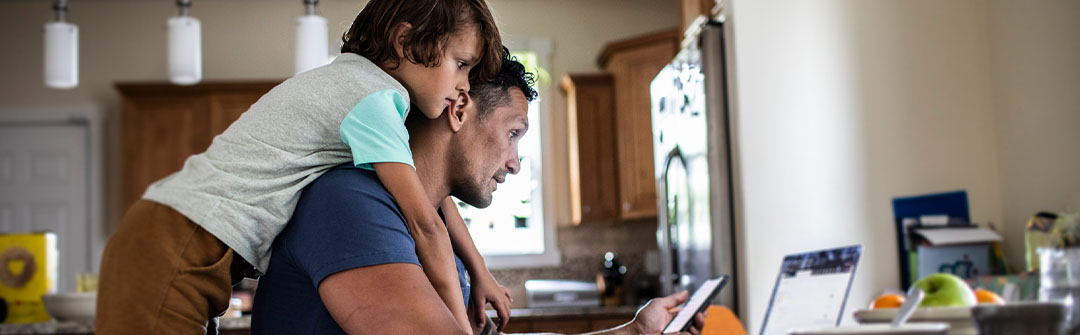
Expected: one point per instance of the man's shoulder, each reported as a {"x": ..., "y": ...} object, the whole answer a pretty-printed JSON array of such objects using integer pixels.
[
  {"x": 345, "y": 219},
  {"x": 346, "y": 192}
]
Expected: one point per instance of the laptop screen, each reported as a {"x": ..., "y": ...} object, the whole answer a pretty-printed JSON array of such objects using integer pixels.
[{"x": 811, "y": 290}]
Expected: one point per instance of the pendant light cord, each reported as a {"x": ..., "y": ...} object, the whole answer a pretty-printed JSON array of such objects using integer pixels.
[
  {"x": 184, "y": 6},
  {"x": 60, "y": 9}
]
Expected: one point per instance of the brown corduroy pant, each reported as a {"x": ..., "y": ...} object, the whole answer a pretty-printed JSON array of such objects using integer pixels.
[{"x": 163, "y": 274}]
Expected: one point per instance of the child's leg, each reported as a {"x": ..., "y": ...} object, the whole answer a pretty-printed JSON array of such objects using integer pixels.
[{"x": 162, "y": 274}]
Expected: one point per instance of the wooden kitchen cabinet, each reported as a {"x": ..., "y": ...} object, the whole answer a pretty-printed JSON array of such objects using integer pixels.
[
  {"x": 163, "y": 124},
  {"x": 591, "y": 115},
  {"x": 691, "y": 9},
  {"x": 629, "y": 180}
]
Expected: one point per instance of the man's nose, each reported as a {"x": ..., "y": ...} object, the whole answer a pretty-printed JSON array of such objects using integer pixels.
[{"x": 514, "y": 165}]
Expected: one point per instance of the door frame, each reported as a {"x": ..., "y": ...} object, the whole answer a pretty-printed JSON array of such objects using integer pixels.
[{"x": 93, "y": 118}]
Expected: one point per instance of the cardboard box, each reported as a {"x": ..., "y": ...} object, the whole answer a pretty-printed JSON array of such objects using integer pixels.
[
  {"x": 964, "y": 252},
  {"x": 28, "y": 269}
]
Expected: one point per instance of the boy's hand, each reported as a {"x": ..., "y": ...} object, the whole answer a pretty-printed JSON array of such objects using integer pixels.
[{"x": 486, "y": 290}]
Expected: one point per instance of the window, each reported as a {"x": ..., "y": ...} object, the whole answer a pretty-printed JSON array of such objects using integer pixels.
[{"x": 517, "y": 230}]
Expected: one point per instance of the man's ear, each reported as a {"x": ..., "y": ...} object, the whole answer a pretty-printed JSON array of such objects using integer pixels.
[
  {"x": 457, "y": 115},
  {"x": 400, "y": 32}
]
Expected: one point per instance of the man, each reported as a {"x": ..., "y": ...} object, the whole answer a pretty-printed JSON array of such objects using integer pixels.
[{"x": 346, "y": 262}]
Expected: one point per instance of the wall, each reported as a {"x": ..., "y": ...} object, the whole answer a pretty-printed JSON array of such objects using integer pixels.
[
  {"x": 582, "y": 251},
  {"x": 1036, "y": 60},
  {"x": 123, "y": 40},
  {"x": 841, "y": 106}
]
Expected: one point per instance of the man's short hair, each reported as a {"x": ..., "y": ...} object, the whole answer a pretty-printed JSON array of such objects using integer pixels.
[
  {"x": 489, "y": 95},
  {"x": 432, "y": 23}
]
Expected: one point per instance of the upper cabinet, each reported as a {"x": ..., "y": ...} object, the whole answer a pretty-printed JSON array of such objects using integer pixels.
[
  {"x": 612, "y": 174},
  {"x": 691, "y": 9},
  {"x": 164, "y": 124},
  {"x": 593, "y": 176}
]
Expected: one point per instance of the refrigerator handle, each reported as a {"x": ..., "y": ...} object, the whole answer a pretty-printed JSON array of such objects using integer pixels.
[
  {"x": 669, "y": 254},
  {"x": 663, "y": 238}
]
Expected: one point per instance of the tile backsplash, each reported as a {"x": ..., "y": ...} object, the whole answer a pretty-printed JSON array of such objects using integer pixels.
[{"x": 582, "y": 250}]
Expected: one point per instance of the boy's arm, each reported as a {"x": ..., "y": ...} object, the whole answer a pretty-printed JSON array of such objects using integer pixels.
[
  {"x": 485, "y": 288},
  {"x": 433, "y": 247},
  {"x": 461, "y": 240}
]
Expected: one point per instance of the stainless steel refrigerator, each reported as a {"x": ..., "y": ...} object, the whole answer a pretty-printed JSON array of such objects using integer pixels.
[{"x": 693, "y": 166}]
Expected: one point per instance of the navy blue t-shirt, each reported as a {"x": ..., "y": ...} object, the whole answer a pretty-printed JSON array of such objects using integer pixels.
[{"x": 345, "y": 219}]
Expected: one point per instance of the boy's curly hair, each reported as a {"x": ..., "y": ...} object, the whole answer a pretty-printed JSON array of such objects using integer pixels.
[
  {"x": 433, "y": 21},
  {"x": 493, "y": 93}
]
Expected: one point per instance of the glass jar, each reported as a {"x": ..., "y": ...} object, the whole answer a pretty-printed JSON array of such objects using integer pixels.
[{"x": 1059, "y": 279}]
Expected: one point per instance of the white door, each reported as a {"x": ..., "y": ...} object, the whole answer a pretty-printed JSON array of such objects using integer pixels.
[{"x": 44, "y": 186}]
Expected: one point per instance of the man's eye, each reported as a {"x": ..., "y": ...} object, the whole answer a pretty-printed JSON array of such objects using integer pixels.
[
  {"x": 513, "y": 134},
  {"x": 461, "y": 64}
]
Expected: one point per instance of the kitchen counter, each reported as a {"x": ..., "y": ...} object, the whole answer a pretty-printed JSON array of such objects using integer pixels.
[
  {"x": 577, "y": 312},
  {"x": 228, "y": 326},
  {"x": 567, "y": 320},
  {"x": 610, "y": 316},
  {"x": 52, "y": 327}
]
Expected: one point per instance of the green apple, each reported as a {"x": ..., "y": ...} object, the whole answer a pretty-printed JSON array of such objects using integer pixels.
[{"x": 945, "y": 290}]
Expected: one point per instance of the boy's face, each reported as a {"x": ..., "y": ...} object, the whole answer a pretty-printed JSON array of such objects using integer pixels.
[{"x": 433, "y": 89}]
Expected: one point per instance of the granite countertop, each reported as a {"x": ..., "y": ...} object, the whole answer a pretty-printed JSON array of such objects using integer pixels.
[
  {"x": 244, "y": 322},
  {"x": 560, "y": 312},
  {"x": 51, "y": 327},
  {"x": 72, "y": 327}
]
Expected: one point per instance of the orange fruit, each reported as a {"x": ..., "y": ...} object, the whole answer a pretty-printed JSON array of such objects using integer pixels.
[
  {"x": 890, "y": 300},
  {"x": 984, "y": 296}
]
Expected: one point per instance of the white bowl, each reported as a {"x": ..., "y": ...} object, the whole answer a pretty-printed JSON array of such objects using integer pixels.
[{"x": 78, "y": 307}]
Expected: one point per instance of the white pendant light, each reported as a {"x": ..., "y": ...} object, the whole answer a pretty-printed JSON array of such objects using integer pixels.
[
  {"x": 311, "y": 39},
  {"x": 61, "y": 50},
  {"x": 185, "y": 47}
]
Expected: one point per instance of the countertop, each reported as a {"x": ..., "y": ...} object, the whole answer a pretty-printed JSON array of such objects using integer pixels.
[
  {"x": 561, "y": 312},
  {"x": 52, "y": 327},
  {"x": 230, "y": 325}
]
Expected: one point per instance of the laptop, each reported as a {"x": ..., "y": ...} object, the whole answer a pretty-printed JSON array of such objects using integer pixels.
[{"x": 811, "y": 290}]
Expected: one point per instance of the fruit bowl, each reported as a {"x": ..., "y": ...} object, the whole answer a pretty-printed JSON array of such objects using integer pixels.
[{"x": 77, "y": 307}]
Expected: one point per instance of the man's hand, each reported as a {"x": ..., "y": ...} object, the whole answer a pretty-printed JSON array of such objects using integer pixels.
[
  {"x": 486, "y": 290},
  {"x": 657, "y": 313}
]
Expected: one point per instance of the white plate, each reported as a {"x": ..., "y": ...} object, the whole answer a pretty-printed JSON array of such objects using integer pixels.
[
  {"x": 958, "y": 318},
  {"x": 879, "y": 329},
  {"x": 947, "y": 314}
]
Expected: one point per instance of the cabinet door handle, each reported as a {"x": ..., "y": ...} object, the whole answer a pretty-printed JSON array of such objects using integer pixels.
[{"x": 626, "y": 206}]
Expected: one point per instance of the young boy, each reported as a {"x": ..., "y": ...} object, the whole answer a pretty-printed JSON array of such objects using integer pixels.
[{"x": 170, "y": 266}]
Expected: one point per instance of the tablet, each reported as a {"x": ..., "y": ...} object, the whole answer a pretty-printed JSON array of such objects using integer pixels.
[{"x": 698, "y": 302}]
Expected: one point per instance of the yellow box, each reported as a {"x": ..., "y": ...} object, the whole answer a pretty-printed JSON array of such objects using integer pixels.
[{"x": 28, "y": 270}]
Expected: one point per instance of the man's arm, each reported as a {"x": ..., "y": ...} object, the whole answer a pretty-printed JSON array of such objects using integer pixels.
[
  {"x": 653, "y": 317},
  {"x": 394, "y": 298}
]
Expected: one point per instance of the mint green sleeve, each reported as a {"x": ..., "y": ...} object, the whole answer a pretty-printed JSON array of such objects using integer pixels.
[{"x": 375, "y": 130}]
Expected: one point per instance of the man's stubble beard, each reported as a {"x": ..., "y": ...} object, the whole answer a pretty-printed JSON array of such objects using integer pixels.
[{"x": 472, "y": 192}]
